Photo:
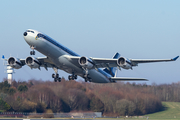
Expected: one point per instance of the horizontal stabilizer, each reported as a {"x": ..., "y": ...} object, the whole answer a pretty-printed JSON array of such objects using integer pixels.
[
  {"x": 175, "y": 58},
  {"x": 127, "y": 79},
  {"x": 3, "y": 57}
]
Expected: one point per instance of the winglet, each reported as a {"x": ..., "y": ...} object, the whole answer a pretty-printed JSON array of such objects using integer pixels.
[{"x": 175, "y": 58}]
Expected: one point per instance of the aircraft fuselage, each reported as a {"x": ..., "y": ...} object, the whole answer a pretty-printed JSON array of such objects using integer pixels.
[{"x": 58, "y": 54}]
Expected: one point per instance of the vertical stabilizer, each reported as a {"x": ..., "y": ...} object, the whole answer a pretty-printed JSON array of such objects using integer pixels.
[{"x": 112, "y": 70}]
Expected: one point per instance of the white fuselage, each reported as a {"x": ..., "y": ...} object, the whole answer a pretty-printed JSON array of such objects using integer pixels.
[{"x": 58, "y": 54}]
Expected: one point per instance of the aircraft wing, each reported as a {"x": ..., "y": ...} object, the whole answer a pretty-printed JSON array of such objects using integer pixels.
[
  {"x": 97, "y": 62},
  {"x": 136, "y": 61},
  {"x": 104, "y": 62},
  {"x": 127, "y": 79},
  {"x": 110, "y": 62},
  {"x": 42, "y": 61},
  {"x": 46, "y": 63}
]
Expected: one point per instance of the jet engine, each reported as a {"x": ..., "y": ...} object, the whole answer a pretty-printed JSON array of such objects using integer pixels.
[
  {"x": 14, "y": 63},
  {"x": 83, "y": 61},
  {"x": 124, "y": 63},
  {"x": 32, "y": 62}
]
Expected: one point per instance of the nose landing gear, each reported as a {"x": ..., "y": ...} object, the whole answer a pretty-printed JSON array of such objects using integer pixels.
[{"x": 32, "y": 52}]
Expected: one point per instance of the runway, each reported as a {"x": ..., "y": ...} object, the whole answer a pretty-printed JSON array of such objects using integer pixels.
[{"x": 66, "y": 119}]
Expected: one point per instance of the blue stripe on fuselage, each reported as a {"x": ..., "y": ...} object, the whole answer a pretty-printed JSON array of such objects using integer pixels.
[{"x": 57, "y": 44}]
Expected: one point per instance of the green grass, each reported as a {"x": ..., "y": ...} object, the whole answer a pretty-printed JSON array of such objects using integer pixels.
[{"x": 171, "y": 111}]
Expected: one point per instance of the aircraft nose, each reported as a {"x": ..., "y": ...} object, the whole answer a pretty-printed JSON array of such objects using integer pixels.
[{"x": 25, "y": 34}]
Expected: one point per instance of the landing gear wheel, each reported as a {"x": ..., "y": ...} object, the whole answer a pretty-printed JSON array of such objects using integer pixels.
[
  {"x": 87, "y": 78},
  {"x": 75, "y": 76},
  {"x": 59, "y": 79},
  {"x": 56, "y": 77},
  {"x": 32, "y": 52},
  {"x": 70, "y": 77},
  {"x": 53, "y": 75}
]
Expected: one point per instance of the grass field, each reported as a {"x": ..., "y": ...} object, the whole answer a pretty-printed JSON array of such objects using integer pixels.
[{"x": 171, "y": 112}]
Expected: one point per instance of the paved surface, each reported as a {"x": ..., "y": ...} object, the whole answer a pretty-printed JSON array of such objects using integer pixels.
[
  {"x": 66, "y": 119},
  {"x": 47, "y": 119}
]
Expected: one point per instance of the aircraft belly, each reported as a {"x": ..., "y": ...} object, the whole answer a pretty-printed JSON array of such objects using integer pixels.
[
  {"x": 97, "y": 77},
  {"x": 69, "y": 67}
]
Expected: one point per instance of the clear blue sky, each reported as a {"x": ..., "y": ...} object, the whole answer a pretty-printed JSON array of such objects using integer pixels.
[{"x": 97, "y": 28}]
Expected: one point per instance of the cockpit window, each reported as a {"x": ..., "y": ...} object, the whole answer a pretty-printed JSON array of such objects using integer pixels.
[{"x": 30, "y": 31}]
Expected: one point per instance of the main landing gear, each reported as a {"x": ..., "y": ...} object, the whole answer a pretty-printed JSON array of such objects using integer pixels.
[
  {"x": 72, "y": 77},
  {"x": 87, "y": 78},
  {"x": 86, "y": 75},
  {"x": 32, "y": 52},
  {"x": 56, "y": 76}
]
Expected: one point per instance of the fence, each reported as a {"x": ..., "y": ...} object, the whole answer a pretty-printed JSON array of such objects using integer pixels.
[{"x": 52, "y": 115}]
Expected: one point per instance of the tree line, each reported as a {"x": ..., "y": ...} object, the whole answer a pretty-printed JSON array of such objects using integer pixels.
[{"x": 113, "y": 99}]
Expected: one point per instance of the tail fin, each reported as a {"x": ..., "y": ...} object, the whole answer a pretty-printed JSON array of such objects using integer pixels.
[{"x": 112, "y": 70}]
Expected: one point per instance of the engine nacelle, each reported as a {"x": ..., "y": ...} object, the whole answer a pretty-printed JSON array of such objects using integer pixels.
[
  {"x": 32, "y": 62},
  {"x": 14, "y": 62},
  {"x": 83, "y": 61},
  {"x": 124, "y": 63}
]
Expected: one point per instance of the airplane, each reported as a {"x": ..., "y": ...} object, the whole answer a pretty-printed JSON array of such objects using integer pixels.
[{"x": 59, "y": 57}]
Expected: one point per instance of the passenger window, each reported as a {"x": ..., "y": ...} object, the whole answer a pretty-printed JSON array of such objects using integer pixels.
[{"x": 40, "y": 35}]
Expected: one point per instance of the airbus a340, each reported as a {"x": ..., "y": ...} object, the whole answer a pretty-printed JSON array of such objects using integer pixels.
[{"x": 98, "y": 70}]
